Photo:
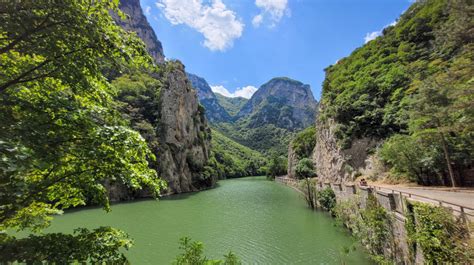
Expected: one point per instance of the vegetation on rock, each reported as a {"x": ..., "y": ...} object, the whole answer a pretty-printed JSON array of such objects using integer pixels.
[
  {"x": 441, "y": 236},
  {"x": 414, "y": 80},
  {"x": 231, "y": 105}
]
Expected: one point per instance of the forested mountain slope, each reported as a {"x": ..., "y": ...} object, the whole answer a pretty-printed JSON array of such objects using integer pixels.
[
  {"x": 214, "y": 111},
  {"x": 267, "y": 121},
  {"x": 411, "y": 88},
  {"x": 231, "y": 105}
]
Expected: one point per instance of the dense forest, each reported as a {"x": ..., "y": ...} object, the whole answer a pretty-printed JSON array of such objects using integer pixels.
[{"x": 412, "y": 87}]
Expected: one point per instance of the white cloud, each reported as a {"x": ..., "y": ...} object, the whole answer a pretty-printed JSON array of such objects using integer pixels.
[
  {"x": 257, "y": 20},
  {"x": 219, "y": 25},
  {"x": 147, "y": 10},
  {"x": 271, "y": 10},
  {"x": 372, "y": 35},
  {"x": 245, "y": 92}
]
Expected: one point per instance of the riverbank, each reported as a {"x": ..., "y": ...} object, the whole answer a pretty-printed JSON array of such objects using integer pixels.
[{"x": 399, "y": 220}]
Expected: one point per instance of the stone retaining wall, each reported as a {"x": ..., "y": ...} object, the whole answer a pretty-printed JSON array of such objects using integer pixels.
[{"x": 394, "y": 203}]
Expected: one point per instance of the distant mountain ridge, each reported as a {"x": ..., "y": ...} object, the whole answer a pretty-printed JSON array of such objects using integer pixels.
[
  {"x": 214, "y": 111},
  {"x": 267, "y": 120}
]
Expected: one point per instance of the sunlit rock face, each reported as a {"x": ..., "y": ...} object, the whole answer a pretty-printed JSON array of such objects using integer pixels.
[
  {"x": 282, "y": 101},
  {"x": 137, "y": 22}
]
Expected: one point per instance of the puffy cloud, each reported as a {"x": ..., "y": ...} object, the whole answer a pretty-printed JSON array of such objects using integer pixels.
[
  {"x": 147, "y": 10},
  {"x": 271, "y": 10},
  {"x": 257, "y": 20},
  {"x": 219, "y": 25},
  {"x": 245, "y": 92},
  {"x": 372, "y": 35}
]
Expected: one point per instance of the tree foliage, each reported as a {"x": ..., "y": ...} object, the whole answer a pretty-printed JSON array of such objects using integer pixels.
[
  {"x": 230, "y": 159},
  {"x": 327, "y": 199},
  {"x": 441, "y": 237},
  {"x": 98, "y": 246},
  {"x": 305, "y": 169},
  {"x": 414, "y": 80},
  {"x": 277, "y": 166},
  {"x": 61, "y": 137},
  {"x": 304, "y": 142},
  {"x": 365, "y": 93},
  {"x": 193, "y": 254}
]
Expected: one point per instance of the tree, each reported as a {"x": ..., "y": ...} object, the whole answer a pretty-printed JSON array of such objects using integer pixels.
[
  {"x": 304, "y": 142},
  {"x": 61, "y": 138},
  {"x": 67, "y": 40},
  {"x": 277, "y": 166},
  {"x": 305, "y": 169},
  {"x": 441, "y": 111},
  {"x": 193, "y": 254}
]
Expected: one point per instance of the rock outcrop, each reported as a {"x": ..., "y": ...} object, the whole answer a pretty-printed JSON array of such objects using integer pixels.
[
  {"x": 182, "y": 129},
  {"x": 214, "y": 111},
  {"x": 335, "y": 164},
  {"x": 184, "y": 134},
  {"x": 292, "y": 161},
  {"x": 137, "y": 22}
]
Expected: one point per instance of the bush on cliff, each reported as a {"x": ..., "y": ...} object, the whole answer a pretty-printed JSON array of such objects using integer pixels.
[
  {"x": 327, "y": 199},
  {"x": 305, "y": 169}
]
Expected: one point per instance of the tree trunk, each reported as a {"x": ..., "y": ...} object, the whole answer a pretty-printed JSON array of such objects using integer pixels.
[
  {"x": 448, "y": 159},
  {"x": 310, "y": 196}
]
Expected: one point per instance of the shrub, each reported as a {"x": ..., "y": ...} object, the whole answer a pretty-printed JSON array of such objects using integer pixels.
[
  {"x": 305, "y": 169},
  {"x": 440, "y": 236},
  {"x": 193, "y": 254},
  {"x": 327, "y": 199}
]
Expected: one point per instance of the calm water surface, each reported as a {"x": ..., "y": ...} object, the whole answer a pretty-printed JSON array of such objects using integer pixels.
[{"x": 262, "y": 222}]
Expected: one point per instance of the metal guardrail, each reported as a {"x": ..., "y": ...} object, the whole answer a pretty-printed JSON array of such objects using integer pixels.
[
  {"x": 458, "y": 208},
  {"x": 463, "y": 210}
]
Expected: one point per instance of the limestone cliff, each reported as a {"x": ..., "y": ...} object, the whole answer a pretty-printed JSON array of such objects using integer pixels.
[
  {"x": 184, "y": 133},
  {"x": 137, "y": 22},
  {"x": 334, "y": 163},
  {"x": 181, "y": 127}
]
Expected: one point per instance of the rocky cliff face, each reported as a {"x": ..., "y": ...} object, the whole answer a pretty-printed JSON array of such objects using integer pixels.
[
  {"x": 184, "y": 134},
  {"x": 137, "y": 22},
  {"x": 284, "y": 102},
  {"x": 336, "y": 164},
  {"x": 214, "y": 111}
]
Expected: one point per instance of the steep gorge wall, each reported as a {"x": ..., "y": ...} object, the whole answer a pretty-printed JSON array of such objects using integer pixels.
[
  {"x": 182, "y": 129},
  {"x": 336, "y": 164},
  {"x": 184, "y": 134}
]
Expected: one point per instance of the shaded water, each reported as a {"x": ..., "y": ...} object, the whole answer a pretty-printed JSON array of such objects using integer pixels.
[{"x": 262, "y": 222}]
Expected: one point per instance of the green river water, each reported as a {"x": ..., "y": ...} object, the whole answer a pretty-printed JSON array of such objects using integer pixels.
[{"x": 262, "y": 222}]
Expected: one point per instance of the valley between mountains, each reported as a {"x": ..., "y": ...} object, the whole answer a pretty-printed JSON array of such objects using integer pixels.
[{"x": 93, "y": 113}]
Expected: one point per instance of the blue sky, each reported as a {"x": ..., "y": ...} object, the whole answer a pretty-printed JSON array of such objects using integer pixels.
[{"x": 237, "y": 44}]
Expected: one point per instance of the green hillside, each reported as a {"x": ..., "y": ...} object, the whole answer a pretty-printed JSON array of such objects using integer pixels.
[
  {"x": 231, "y": 105},
  {"x": 230, "y": 159},
  {"x": 414, "y": 83}
]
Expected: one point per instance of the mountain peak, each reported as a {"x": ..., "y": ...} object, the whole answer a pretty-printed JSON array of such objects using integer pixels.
[
  {"x": 136, "y": 21},
  {"x": 282, "y": 101}
]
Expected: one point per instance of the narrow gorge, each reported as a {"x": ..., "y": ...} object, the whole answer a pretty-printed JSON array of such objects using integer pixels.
[{"x": 229, "y": 132}]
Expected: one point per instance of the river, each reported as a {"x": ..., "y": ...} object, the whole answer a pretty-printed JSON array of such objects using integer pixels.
[{"x": 262, "y": 222}]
